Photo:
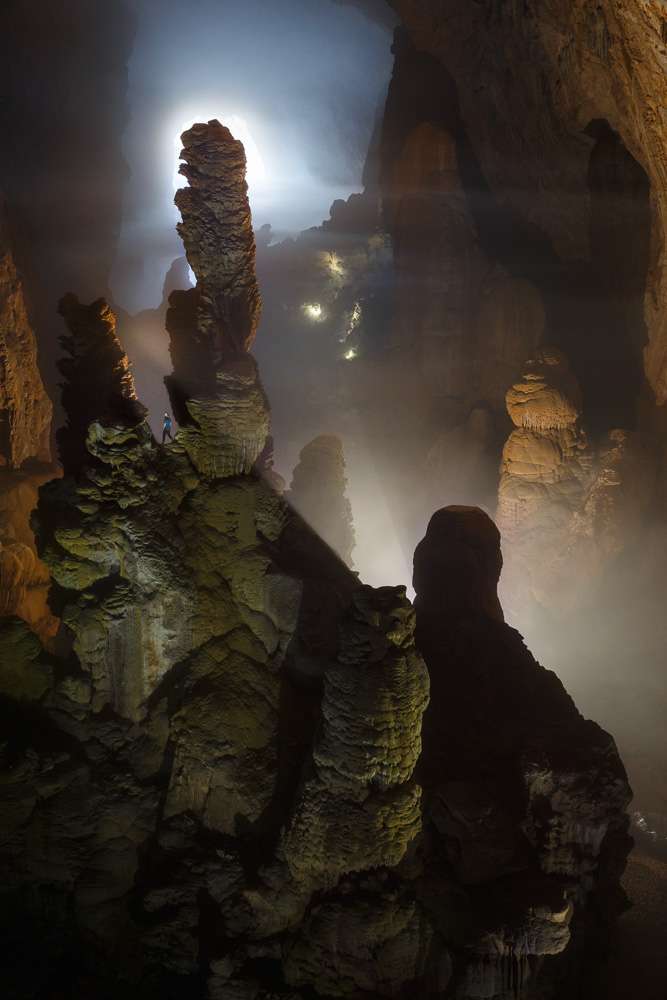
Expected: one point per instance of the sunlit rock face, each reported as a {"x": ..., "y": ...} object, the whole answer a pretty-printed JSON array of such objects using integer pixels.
[
  {"x": 317, "y": 491},
  {"x": 25, "y": 452},
  {"x": 566, "y": 508}
]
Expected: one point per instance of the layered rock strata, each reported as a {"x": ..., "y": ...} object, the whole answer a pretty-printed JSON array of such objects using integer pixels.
[{"x": 317, "y": 491}]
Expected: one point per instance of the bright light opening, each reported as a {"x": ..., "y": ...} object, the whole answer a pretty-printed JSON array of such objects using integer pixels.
[
  {"x": 313, "y": 310},
  {"x": 350, "y": 354},
  {"x": 255, "y": 170}
]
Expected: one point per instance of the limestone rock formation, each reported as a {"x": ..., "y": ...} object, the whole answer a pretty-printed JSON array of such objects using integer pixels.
[
  {"x": 605, "y": 524},
  {"x": 216, "y": 229},
  {"x": 25, "y": 452},
  {"x": 528, "y": 798},
  {"x": 227, "y": 432},
  {"x": 317, "y": 491},
  {"x": 360, "y": 810},
  {"x": 562, "y": 109},
  {"x": 99, "y": 385},
  {"x": 458, "y": 563},
  {"x": 25, "y": 409},
  {"x": 565, "y": 509},
  {"x": 438, "y": 264},
  {"x": 24, "y": 578},
  {"x": 547, "y": 462},
  {"x": 217, "y": 396}
]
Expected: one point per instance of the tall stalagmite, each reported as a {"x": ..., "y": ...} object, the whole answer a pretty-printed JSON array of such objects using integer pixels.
[{"x": 215, "y": 390}]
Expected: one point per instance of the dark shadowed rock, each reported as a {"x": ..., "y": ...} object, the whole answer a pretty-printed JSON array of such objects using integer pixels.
[
  {"x": 528, "y": 799},
  {"x": 458, "y": 562},
  {"x": 98, "y": 384}
]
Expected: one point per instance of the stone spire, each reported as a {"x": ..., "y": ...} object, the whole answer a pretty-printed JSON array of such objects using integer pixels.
[
  {"x": 215, "y": 391},
  {"x": 99, "y": 385},
  {"x": 216, "y": 229}
]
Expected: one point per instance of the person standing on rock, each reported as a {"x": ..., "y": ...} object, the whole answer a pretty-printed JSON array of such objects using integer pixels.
[{"x": 166, "y": 428}]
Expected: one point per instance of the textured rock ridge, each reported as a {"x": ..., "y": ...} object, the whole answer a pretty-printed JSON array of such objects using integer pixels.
[
  {"x": 547, "y": 460},
  {"x": 317, "y": 491}
]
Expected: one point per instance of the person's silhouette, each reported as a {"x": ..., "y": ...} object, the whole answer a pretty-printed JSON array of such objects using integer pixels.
[{"x": 166, "y": 428}]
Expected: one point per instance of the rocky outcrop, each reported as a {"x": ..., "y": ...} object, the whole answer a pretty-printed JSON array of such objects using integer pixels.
[
  {"x": 528, "y": 799},
  {"x": 24, "y": 578},
  {"x": 317, "y": 491},
  {"x": 565, "y": 509},
  {"x": 25, "y": 409},
  {"x": 98, "y": 383},
  {"x": 605, "y": 525},
  {"x": 360, "y": 810},
  {"x": 546, "y": 463},
  {"x": 25, "y": 451},
  {"x": 562, "y": 110}
]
